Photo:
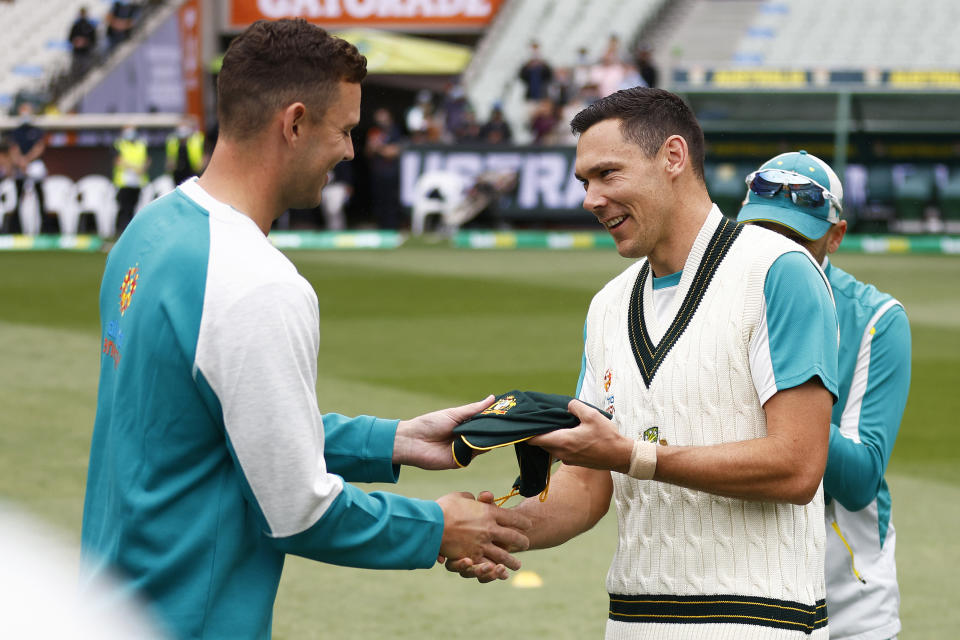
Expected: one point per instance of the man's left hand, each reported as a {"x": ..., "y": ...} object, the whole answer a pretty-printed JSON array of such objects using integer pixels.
[
  {"x": 595, "y": 443},
  {"x": 427, "y": 441}
]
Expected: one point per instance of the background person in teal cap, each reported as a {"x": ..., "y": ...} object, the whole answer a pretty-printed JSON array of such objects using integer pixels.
[{"x": 862, "y": 594}]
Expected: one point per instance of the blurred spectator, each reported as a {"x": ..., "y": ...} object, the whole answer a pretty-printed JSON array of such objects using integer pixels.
[
  {"x": 589, "y": 93},
  {"x": 83, "y": 41},
  {"x": 129, "y": 174},
  {"x": 496, "y": 130},
  {"x": 631, "y": 77},
  {"x": 336, "y": 196},
  {"x": 185, "y": 151},
  {"x": 581, "y": 69},
  {"x": 27, "y": 145},
  {"x": 424, "y": 122},
  {"x": 608, "y": 74},
  {"x": 562, "y": 89},
  {"x": 331, "y": 212},
  {"x": 644, "y": 61},
  {"x": 563, "y": 134},
  {"x": 455, "y": 106},
  {"x": 543, "y": 121},
  {"x": 469, "y": 130},
  {"x": 120, "y": 21},
  {"x": 536, "y": 74},
  {"x": 419, "y": 115},
  {"x": 383, "y": 152},
  {"x": 614, "y": 49}
]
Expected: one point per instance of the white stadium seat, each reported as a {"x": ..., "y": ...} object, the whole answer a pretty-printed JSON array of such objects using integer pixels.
[
  {"x": 436, "y": 193},
  {"x": 159, "y": 186},
  {"x": 97, "y": 195},
  {"x": 8, "y": 198},
  {"x": 60, "y": 197}
]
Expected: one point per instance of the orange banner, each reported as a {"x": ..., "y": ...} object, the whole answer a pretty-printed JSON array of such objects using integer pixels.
[
  {"x": 459, "y": 15},
  {"x": 190, "y": 29}
]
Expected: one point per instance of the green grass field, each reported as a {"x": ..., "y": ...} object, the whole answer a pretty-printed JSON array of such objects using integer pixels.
[{"x": 412, "y": 330}]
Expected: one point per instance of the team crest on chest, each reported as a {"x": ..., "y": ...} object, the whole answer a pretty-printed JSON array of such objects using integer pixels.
[
  {"x": 651, "y": 435},
  {"x": 500, "y": 407},
  {"x": 128, "y": 287}
]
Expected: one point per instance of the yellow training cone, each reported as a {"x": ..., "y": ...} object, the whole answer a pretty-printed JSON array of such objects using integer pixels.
[{"x": 527, "y": 580}]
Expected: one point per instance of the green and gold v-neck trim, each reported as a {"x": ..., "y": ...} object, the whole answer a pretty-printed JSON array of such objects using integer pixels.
[{"x": 649, "y": 357}]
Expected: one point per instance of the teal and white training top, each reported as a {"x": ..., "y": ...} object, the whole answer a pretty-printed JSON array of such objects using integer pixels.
[
  {"x": 862, "y": 593},
  {"x": 210, "y": 459}
]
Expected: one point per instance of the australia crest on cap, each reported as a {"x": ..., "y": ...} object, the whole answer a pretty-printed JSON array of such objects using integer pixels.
[{"x": 501, "y": 406}]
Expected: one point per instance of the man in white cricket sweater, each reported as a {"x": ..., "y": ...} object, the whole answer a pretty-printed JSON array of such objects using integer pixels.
[
  {"x": 786, "y": 195},
  {"x": 716, "y": 353}
]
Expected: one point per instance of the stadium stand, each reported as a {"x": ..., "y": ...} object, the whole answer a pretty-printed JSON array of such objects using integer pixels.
[
  {"x": 38, "y": 47},
  {"x": 828, "y": 34},
  {"x": 38, "y": 66},
  {"x": 705, "y": 31},
  {"x": 561, "y": 29}
]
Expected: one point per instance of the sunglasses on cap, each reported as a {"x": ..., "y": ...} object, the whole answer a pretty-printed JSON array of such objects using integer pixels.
[{"x": 803, "y": 191}]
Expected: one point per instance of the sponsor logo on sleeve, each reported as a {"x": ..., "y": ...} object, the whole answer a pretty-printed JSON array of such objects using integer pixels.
[
  {"x": 128, "y": 288},
  {"x": 114, "y": 337}
]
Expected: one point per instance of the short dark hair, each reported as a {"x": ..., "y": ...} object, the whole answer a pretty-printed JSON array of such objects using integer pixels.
[
  {"x": 275, "y": 63},
  {"x": 647, "y": 118}
]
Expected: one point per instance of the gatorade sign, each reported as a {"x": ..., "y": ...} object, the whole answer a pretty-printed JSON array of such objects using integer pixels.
[{"x": 460, "y": 15}]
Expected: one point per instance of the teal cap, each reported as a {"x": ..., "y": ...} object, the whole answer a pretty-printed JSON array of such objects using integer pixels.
[{"x": 809, "y": 222}]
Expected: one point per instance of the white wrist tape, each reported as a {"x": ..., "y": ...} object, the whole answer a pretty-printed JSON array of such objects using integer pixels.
[{"x": 643, "y": 460}]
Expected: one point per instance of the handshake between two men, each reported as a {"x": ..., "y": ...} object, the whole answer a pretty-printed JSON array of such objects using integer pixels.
[{"x": 479, "y": 536}]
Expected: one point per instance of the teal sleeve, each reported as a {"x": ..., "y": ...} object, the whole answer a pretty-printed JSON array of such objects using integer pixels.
[
  {"x": 855, "y": 470},
  {"x": 801, "y": 323},
  {"x": 360, "y": 449},
  {"x": 583, "y": 362},
  {"x": 372, "y": 531}
]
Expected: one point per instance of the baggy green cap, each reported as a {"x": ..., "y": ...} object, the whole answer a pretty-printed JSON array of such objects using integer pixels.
[{"x": 513, "y": 418}]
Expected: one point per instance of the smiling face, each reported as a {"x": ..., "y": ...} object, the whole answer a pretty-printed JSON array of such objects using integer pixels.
[
  {"x": 626, "y": 190},
  {"x": 323, "y": 143}
]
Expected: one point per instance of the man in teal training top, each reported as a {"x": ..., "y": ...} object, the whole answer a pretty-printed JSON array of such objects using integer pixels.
[
  {"x": 800, "y": 196},
  {"x": 210, "y": 459}
]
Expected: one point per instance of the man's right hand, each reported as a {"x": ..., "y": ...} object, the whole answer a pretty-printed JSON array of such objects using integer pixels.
[
  {"x": 481, "y": 531},
  {"x": 485, "y": 570}
]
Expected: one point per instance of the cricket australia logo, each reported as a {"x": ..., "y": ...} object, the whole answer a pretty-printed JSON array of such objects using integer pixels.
[
  {"x": 651, "y": 435},
  {"x": 500, "y": 407},
  {"x": 128, "y": 288}
]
